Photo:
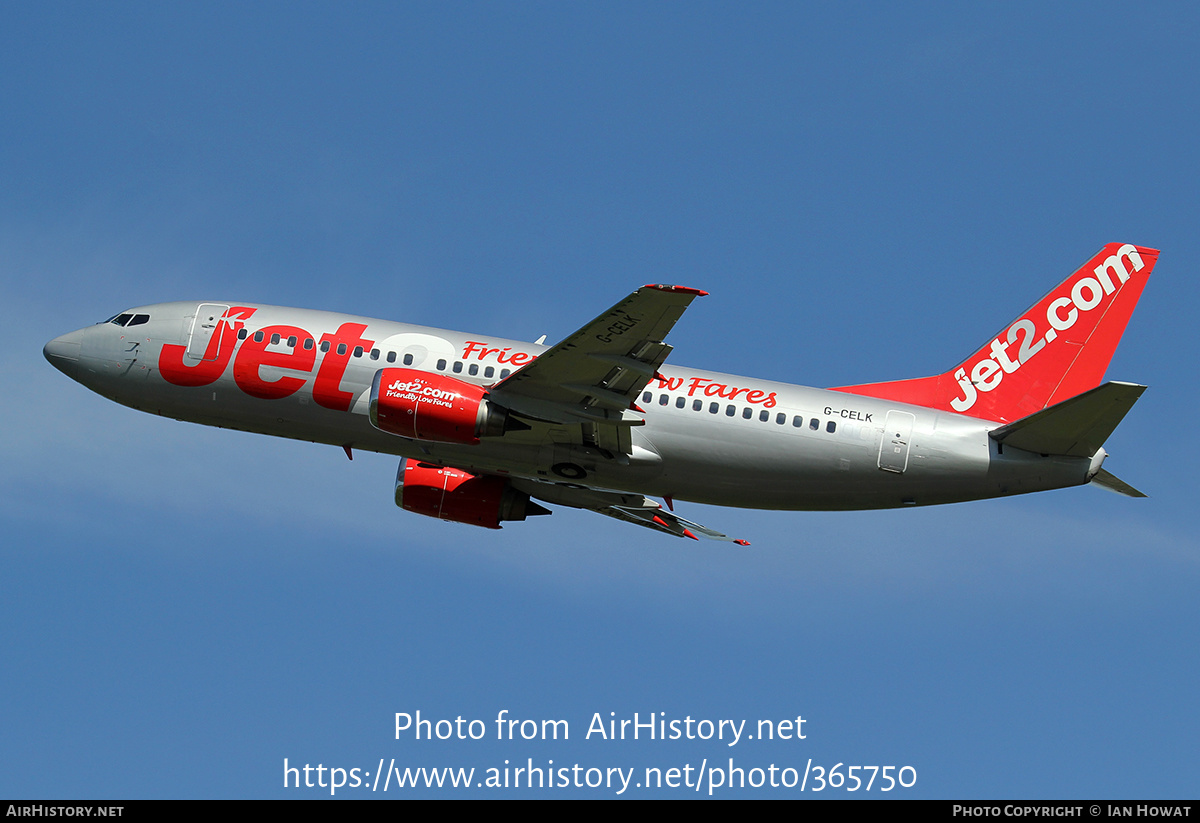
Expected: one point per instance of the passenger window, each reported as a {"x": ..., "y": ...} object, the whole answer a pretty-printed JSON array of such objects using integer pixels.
[
  {"x": 747, "y": 413},
  {"x": 374, "y": 354},
  {"x": 341, "y": 349},
  {"x": 730, "y": 411},
  {"x": 814, "y": 424},
  {"x": 408, "y": 358},
  {"x": 797, "y": 421},
  {"x": 292, "y": 342},
  {"x": 680, "y": 402},
  {"x": 275, "y": 339},
  {"x": 473, "y": 370},
  {"x": 308, "y": 344},
  {"x": 258, "y": 337},
  {"x": 713, "y": 408},
  {"x": 697, "y": 405},
  {"x": 662, "y": 400},
  {"x": 831, "y": 427},
  {"x": 391, "y": 358},
  {"x": 489, "y": 371},
  {"x": 505, "y": 373},
  {"x": 243, "y": 334},
  {"x": 458, "y": 367},
  {"x": 441, "y": 366},
  {"x": 764, "y": 415},
  {"x": 647, "y": 397},
  {"x": 324, "y": 345},
  {"x": 358, "y": 351},
  {"x": 780, "y": 418}
]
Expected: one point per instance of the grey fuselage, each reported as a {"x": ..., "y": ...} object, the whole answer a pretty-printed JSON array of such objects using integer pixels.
[{"x": 708, "y": 437}]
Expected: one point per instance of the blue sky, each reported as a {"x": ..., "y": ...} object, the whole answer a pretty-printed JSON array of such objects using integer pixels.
[{"x": 866, "y": 190}]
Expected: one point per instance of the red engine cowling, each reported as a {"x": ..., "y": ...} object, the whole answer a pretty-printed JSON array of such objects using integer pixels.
[
  {"x": 425, "y": 406},
  {"x": 459, "y": 496}
]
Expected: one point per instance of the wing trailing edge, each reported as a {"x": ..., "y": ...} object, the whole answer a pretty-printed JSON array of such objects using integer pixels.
[{"x": 629, "y": 508}]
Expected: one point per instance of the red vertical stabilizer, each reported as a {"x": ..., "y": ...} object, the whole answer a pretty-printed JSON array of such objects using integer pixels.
[{"x": 1061, "y": 347}]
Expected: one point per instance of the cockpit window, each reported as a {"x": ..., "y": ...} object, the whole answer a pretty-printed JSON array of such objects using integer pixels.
[{"x": 128, "y": 319}]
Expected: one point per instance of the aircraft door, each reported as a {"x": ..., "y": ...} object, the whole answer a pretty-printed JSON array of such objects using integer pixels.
[
  {"x": 208, "y": 316},
  {"x": 896, "y": 440}
]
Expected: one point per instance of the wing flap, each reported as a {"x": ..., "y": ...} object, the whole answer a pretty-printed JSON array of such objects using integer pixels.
[
  {"x": 629, "y": 508},
  {"x": 661, "y": 520}
]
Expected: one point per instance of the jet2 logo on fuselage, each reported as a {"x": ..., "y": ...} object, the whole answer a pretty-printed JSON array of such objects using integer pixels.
[{"x": 254, "y": 352}]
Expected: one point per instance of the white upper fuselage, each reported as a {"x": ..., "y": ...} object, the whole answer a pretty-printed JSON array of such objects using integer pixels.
[{"x": 708, "y": 437}]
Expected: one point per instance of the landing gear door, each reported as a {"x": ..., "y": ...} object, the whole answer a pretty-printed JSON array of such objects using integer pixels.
[
  {"x": 897, "y": 437},
  {"x": 204, "y": 324}
]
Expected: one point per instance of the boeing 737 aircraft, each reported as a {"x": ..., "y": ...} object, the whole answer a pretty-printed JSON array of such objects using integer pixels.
[{"x": 484, "y": 426}]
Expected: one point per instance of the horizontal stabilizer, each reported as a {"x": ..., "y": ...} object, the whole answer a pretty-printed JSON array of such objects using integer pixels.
[
  {"x": 1077, "y": 427},
  {"x": 1108, "y": 480}
]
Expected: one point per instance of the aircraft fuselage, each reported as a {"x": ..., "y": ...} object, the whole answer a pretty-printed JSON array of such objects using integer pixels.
[{"x": 708, "y": 437}]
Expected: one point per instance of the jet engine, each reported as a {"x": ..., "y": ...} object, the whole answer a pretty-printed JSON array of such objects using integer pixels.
[
  {"x": 459, "y": 496},
  {"x": 425, "y": 406}
]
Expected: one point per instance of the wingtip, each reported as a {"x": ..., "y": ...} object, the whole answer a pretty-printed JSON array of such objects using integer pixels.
[{"x": 679, "y": 289}]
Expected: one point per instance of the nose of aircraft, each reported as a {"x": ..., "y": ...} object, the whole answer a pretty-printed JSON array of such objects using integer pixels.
[{"x": 63, "y": 351}]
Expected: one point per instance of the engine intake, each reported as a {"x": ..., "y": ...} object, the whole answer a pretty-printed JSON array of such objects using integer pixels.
[
  {"x": 425, "y": 406},
  {"x": 459, "y": 496}
]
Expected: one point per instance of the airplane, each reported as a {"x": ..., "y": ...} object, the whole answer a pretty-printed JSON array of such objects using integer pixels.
[{"x": 488, "y": 429}]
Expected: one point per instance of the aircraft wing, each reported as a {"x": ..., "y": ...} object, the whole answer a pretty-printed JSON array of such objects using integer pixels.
[
  {"x": 631, "y": 508},
  {"x": 594, "y": 375},
  {"x": 664, "y": 521}
]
